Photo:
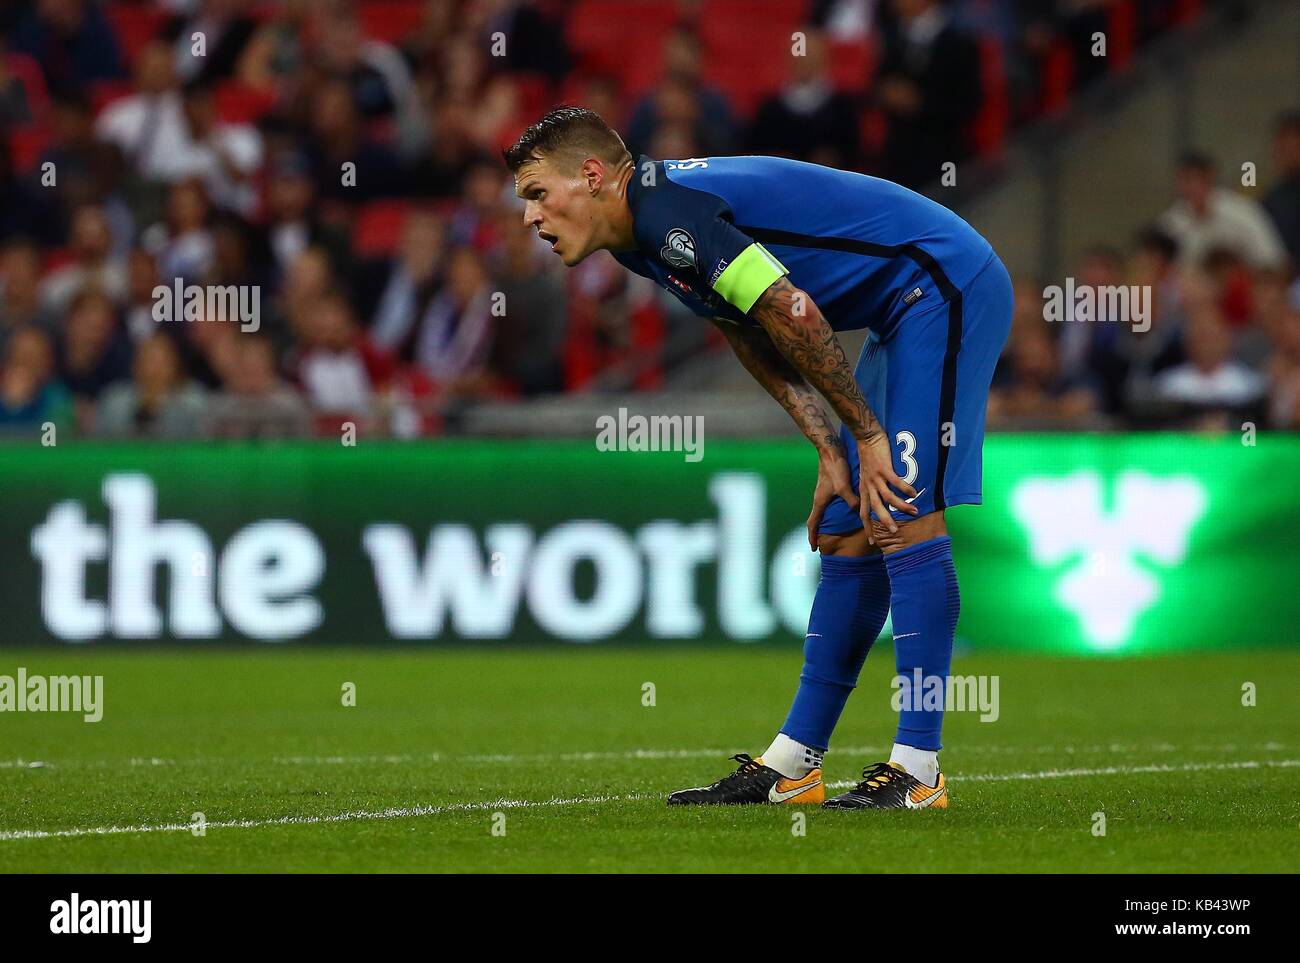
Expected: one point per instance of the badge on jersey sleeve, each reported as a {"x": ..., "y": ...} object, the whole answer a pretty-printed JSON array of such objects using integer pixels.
[{"x": 679, "y": 249}]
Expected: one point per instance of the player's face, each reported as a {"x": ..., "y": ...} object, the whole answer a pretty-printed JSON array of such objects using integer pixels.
[{"x": 561, "y": 207}]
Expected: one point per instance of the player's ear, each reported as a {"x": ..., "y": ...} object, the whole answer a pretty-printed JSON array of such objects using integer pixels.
[{"x": 593, "y": 172}]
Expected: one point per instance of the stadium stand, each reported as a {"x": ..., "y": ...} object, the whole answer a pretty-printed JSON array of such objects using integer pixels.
[{"x": 220, "y": 165}]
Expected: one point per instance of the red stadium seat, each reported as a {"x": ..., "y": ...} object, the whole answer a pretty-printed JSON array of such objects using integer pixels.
[
  {"x": 648, "y": 343},
  {"x": 1121, "y": 33},
  {"x": 135, "y": 24},
  {"x": 378, "y": 227},
  {"x": 26, "y": 144},
  {"x": 390, "y": 20},
  {"x": 28, "y": 73},
  {"x": 579, "y": 352},
  {"x": 265, "y": 10},
  {"x": 748, "y": 46},
  {"x": 536, "y": 94},
  {"x": 240, "y": 104},
  {"x": 873, "y": 128},
  {"x": 623, "y": 38},
  {"x": 1057, "y": 78},
  {"x": 55, "y": 258},
  {"x": 853, "y": 64},
  {"x": 989, "y": 129},
  {"x": 104, "y": 92}
]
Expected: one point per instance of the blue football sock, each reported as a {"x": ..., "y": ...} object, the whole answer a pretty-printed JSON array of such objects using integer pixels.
[
  {"x": 925, "y": 603},
  {"x": 848, "y": 612}
]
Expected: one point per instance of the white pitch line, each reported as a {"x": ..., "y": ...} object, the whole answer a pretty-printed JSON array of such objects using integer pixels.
[
  {"x": 360, "y": 815},
  {"x": 438, "y": 757},
  {"x": 1106, "y": 771},
  {"x": 497, "y": 804},
  {"x": 1126, "y": 770},
  {"x": 602, "y": 756}
]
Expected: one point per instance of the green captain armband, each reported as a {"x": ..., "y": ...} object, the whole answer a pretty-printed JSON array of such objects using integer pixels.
[{"x": 748, "y": 276}]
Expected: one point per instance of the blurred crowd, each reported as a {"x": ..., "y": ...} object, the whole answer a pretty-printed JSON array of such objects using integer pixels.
[
  {"x": 342, "y": 159},
  {"x": 1217, "y": 347}
]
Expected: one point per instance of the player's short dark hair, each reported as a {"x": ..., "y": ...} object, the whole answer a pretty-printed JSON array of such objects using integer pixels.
[{"x": 567, "y": 129}]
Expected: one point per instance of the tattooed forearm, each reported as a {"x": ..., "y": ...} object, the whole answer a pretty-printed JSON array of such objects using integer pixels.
[
  {"x": 801, "y": 334},
  {"x": 779, "y": 378}
]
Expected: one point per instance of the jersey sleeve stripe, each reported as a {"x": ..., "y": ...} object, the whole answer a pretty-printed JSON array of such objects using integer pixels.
[{"x": 748, "y": 276}]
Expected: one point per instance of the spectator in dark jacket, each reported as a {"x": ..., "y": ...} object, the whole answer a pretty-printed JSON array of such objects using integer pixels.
[
  {"x": 26, "y": 210},
  {"x": 1283, "y": 200},
  {"x": 929, "y": 89},
  {"x": 93, "y": 353},
  {"x": 158, "y": 402},
  {"x": 809, "y": 119},
  {"x": 72, "y": 41},
  {"x": 30, "y": 394},
  {"x": 708, "y": 112}
]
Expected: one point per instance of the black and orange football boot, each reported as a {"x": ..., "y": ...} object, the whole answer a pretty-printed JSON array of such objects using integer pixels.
[
  {"x": 754, "y": 783},
  {"x": 887, "y": 785}
]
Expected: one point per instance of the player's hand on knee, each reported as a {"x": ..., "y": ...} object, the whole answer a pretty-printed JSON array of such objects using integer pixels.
[
  {"x": 833, "y": 479},
  {"x": 881, "y": 485}
]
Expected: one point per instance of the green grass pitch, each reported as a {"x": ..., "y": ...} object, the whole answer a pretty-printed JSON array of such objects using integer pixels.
[{"x": 558, "y": 740}]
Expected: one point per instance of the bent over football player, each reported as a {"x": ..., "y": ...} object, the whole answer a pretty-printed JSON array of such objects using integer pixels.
[{"x": 781, "y": 255}]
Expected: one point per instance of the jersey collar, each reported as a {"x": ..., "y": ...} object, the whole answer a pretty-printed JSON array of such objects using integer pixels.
[{"x": 634, "y": 186}]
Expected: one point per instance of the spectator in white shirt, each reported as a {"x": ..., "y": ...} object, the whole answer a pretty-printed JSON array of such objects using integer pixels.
[
  {"x": 168, "y": 135},
  {"x": 183, "y": 244},
  {"x": 158, "y": 402},
  {"x": 338, "y": 367},
  {"x": 254, "y": 402},
  {"x": 451, "y": 337},
  {"x": 93, "y": 264},
  {"x": 1206, "y": 217},
  {"x": 147, "y": 123},
  {"x": 412, "y": 281},
  {"x": 1211, "y": 379}
]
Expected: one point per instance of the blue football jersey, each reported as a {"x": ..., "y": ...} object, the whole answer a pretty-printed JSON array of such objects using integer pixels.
[{"x": 717, "y": 231}]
